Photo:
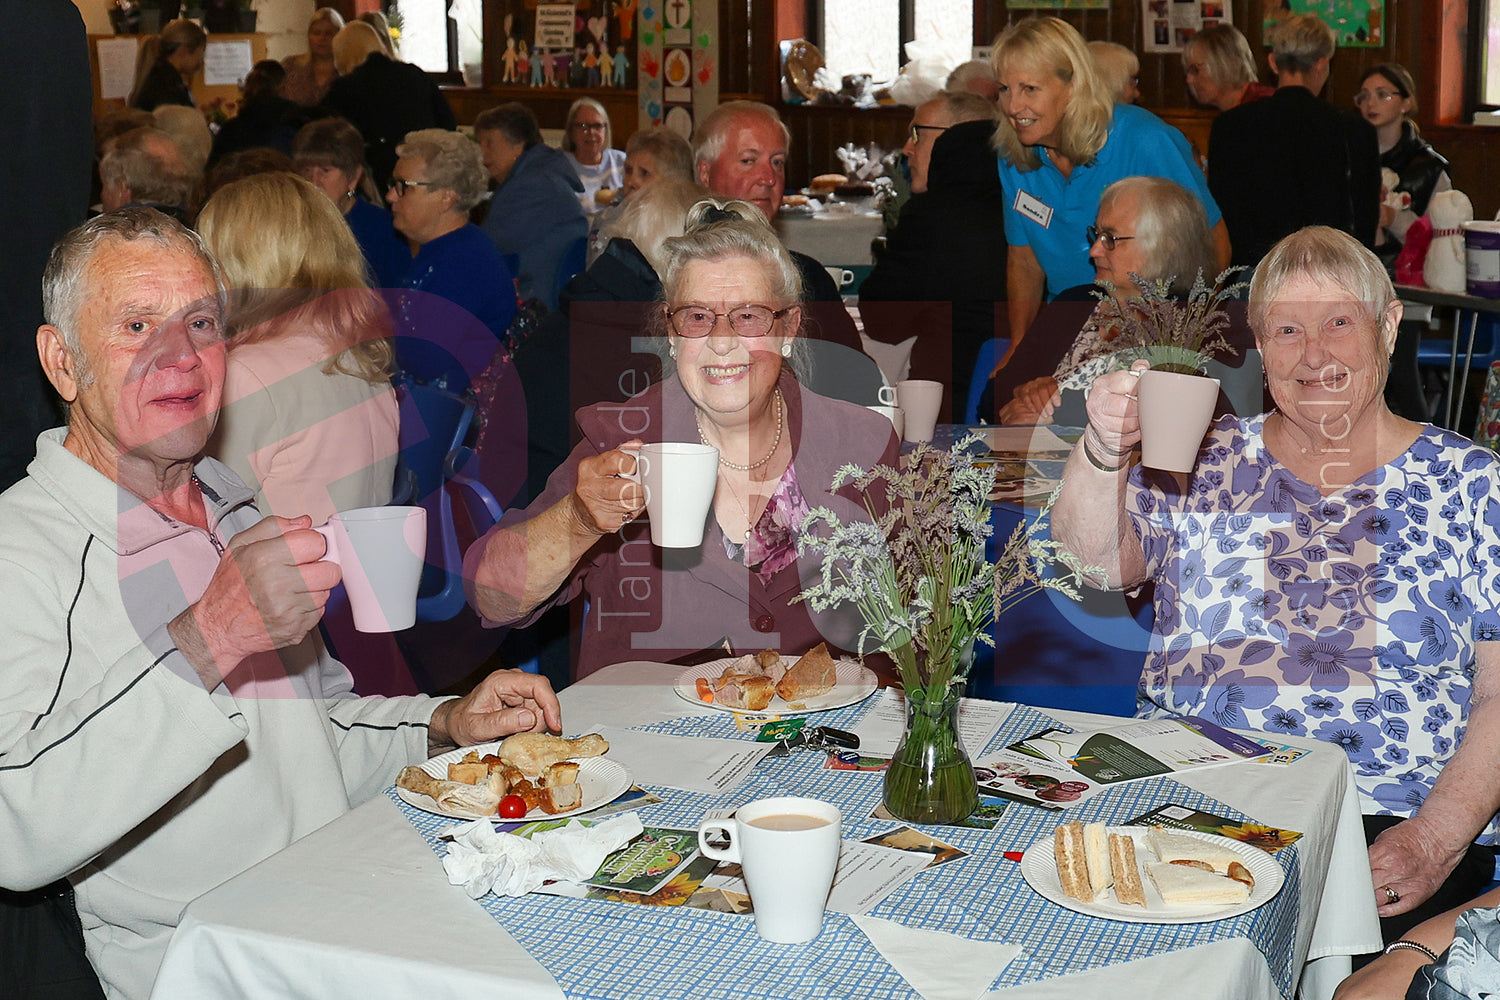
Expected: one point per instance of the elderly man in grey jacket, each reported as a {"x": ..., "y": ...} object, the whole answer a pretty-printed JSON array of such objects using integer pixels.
[{"x": 169, "y": 716}]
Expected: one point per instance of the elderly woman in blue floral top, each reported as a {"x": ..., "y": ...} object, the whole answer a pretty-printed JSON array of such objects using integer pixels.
[{"x": 1329, "y": 569}]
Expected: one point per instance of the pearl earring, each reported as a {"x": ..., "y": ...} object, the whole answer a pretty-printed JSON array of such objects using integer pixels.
[
  {"x": 672, "y": 351},
  {"x": 786, "y": 350}
]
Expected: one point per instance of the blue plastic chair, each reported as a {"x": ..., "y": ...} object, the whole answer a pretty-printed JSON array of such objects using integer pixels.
[
  {"x": 1058, "y": 653},
  {"x": 433, "y": 423},
  {"x": 1475, "y": 330},
  {"x": 989, "y": 352}
]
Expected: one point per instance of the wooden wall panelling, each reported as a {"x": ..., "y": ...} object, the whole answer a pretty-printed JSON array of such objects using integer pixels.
[{"x": 817, "y": 131}]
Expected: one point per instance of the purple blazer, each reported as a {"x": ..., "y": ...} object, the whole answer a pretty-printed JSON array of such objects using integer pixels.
[{"x": 647, "y": 603}]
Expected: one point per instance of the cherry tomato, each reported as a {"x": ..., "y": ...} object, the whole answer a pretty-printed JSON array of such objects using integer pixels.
[{"x": 512, "y": 807}]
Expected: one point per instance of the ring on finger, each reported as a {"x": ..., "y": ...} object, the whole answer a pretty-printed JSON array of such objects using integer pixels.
[{"x": 1392, "y": 897}]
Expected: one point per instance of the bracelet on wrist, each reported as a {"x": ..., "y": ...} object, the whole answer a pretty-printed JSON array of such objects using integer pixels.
[
  {"x": 1088, "y": 453},
  {"x": 1413, "y": 945},
  {"x": 1091, "y": 432}
]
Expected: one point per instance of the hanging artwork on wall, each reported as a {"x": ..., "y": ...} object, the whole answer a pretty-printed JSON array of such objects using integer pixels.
[
  {"x": 1357, "y": 23},
  {"x": 678, "y": 51},
  {"x": 586, "y": 45}
]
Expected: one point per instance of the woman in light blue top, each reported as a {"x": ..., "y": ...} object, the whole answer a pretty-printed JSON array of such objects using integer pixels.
[{"x": 1062, "y": 141}]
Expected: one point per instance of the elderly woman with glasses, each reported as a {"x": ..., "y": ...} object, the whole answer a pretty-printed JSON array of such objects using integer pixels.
[
  {"x": 439, "y": 176},
  {"x": 1327, "y": 570},
  {"x": 589, "y": 144},
  {"x": 1147, "y": 229},
  {"x": 731, "y": 323}
]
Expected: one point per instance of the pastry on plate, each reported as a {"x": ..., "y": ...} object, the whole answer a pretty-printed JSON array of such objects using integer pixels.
[
  {"x": 533, "y": 753},
  {"x": 809, "y": 677}
]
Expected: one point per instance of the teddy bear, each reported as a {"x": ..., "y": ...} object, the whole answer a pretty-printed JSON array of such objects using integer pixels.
[{"x": 1444, "y": 268}]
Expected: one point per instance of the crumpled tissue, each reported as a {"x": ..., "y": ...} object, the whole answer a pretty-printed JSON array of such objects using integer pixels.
[{"x": 482, "y": 859}]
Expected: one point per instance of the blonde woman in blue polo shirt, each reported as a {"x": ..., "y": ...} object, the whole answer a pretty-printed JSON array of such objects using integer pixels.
[{"x": 1062, "y": 141}]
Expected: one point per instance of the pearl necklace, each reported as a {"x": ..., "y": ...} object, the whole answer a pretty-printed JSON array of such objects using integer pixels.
[{"x": 702, "y": 439}]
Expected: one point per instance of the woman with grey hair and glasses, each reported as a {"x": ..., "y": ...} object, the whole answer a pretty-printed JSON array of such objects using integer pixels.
[
  {"x": 1148, "y": 229},
  {"x": 1326, "y": 570},
  {"x": 438, "y": 178},
  {"x": 730, "y": 322}
]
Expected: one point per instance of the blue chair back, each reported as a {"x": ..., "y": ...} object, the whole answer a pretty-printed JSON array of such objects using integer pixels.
[
  {"x": 990, "y": 351},
  {"x": 433, "y": 423}
]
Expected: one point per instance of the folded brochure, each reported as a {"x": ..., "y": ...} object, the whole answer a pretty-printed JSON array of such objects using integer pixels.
[
  {"x": 1145, "y": 748},
  {"x": 1058, "y": 769}
]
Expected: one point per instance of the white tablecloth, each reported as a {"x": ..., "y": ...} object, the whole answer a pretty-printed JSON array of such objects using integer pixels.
[
  {"x": 362, "y": 909},
  {"x": 832, "y": 240}
]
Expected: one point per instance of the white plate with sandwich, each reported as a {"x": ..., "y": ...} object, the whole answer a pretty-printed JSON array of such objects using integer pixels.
[
  {"x": 599, "y": 780},
  {"x": 1150, "y": 875},
  {"x": 780, "y": 685}
]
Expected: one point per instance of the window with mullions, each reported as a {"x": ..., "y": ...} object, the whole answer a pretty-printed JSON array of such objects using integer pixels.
[{"x": 867, "y": 36}]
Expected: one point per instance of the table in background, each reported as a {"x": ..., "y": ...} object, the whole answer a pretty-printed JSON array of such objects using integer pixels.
[
  {"x": 362, "y": 908},
  {"x": 1466, "y": 312},
  {"x": 834, "y": 240}
]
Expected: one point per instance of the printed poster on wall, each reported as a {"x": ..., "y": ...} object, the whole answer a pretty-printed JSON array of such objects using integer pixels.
[
  {"x": 1357, "y": 23},
  {"x": 1168, "y": 25}
]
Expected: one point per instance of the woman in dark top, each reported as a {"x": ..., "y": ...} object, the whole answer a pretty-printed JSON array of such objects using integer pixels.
[
  {"x": 165, "y": 65},
  {"x": 383, "y": 98},
  {"x": 331, "y": 153},
  {"x": 1387, "y": 99}
]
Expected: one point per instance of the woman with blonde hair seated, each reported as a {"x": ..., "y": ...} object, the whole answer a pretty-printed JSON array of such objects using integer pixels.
[{"x": 309, "y": 417}]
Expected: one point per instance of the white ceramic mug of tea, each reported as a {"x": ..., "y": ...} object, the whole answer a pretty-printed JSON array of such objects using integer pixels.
[
  {"x": 788, "y": 848},
  {"x": 380, "y": 552}
]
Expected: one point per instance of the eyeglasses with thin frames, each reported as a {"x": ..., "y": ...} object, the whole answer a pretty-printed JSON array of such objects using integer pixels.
[
  {"x": 589, "y": 126},
  {"x": 695, "y": 322},
  {"x": 1095, "y": 234},
  {"x": 401, "y": 187},
  {"x": 916, "y": 131},
  {"x": 1366, "y": 96}
]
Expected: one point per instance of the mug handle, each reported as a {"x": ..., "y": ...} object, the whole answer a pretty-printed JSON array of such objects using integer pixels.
[
  {"x": 332, "y": 555},
  {"x": 725, "y": 828},
  {"x": 887, "y": 395},
  {"x": 638, "y": 474}
]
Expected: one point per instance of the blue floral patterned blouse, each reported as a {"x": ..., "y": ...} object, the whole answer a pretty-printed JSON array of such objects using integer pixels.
[{"x": 1350, "y": 618}]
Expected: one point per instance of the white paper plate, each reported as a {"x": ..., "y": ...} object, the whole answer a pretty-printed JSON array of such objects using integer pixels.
[
  {"x": 1039, "y": 867},
  {"x": 601, "y": 779},
  {"x": 853, "y": 683}
]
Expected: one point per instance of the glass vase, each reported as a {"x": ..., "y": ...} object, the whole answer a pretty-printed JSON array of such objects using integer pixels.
[{"x": 931, "y": 779}]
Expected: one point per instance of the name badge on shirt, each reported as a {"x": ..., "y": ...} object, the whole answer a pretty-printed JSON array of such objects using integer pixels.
[{"x": 1033, "y": 208}]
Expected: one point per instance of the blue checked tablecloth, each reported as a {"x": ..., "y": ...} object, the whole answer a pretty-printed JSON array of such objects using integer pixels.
[{"x": 605, "y": 950}]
